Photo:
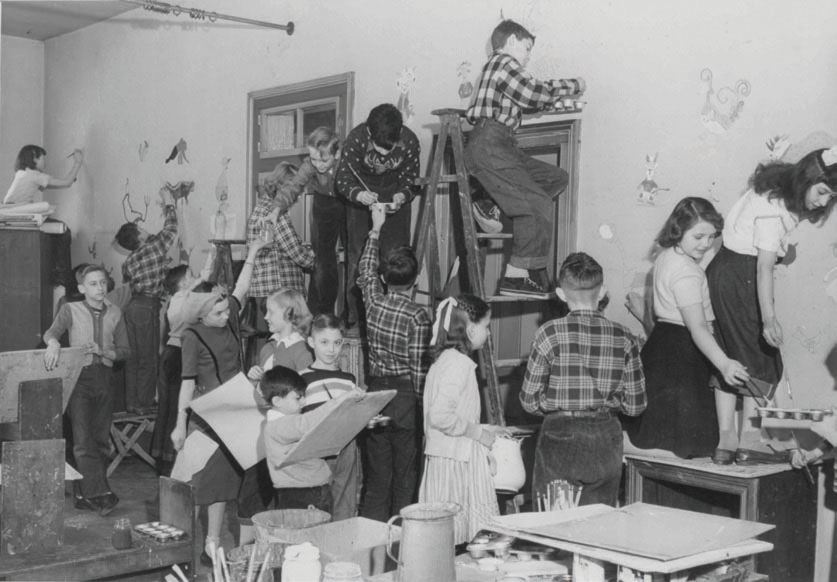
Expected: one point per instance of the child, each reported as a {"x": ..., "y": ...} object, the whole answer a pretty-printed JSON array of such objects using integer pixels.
[
  {"x": 741, "y": 279},
  {"x": 95, "y": 324},
  {"x": 522, "y": 186},
  {"x": 456, "y": 463},
  {"x": 325, "y": 381},
  {"x": 380, "y": 163},
  {"x": 305, "y": 483},
  {"x": 680, "y": 416},
  {"x": 144, "y": 270},
  {"x": 211, "y": 356},
  {"x": 280, "y": 264},
  {"x": 30, "y": 179},
  {"x": 398, "y": 331},
  {"x": 583, "y": 370}
]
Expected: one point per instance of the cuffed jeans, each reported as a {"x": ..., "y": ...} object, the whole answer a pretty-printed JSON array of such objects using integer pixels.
[
  {"x": 328, "y": 225},
  {"x": 524, "y": 188},
  {"x": 91, "y": 413},
  {"x": 582, "y": 451},
  {"x": 391, "y": 471},
  {"x": 142, "y": 323}
]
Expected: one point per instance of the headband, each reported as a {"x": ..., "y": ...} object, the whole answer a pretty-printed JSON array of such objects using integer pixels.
[
  {"x": 450, "y": 303},
  {"x": 198, "y": 305}
]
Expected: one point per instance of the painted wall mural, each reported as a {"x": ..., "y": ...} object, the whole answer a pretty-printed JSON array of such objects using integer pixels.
[{"x": 721, "y": 109}]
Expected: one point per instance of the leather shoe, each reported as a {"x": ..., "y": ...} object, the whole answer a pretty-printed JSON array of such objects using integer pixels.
[
  {"x": 723, "y": 457},
  {"x": 751, "y": 457},
  {"x": 86, "y": 503},
  {"x": 107, "y": 503}
]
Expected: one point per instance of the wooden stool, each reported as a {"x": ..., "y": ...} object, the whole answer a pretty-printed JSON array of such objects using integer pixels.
[{"x": 125, "y": 431}]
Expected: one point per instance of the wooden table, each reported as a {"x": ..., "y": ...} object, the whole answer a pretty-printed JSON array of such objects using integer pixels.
[{"x": 773, "y": 494}]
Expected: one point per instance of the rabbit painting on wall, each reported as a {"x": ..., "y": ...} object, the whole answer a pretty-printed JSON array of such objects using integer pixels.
[{"x": 648, "y": 188}]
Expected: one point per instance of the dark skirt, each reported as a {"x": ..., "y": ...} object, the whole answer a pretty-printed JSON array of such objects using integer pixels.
[
  {"x": 680, "y": 416},
  {"x": 220, "y": 479},
  {"x": 738, "y": 323}
]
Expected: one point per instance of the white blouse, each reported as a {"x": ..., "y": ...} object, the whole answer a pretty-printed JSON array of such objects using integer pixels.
[
  {"x": 755, "y": 222},
  {"x": 679, "y": 281}
]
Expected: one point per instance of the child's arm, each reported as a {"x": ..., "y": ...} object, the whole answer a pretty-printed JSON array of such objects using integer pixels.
[
  {"x": 291, "y": 429},
  {"x": 634, "y": 399},
  {"x": 536, "y": 378},
  {"x": 771, "y": 330},
  {"x": 242, "y": 285},
  {"x": 122, "y": 347},
  {"x": 523, "y": 89},
  {"x": 367, "y": 269},
  {"x": 62, "y": 323},
  {"x": 178, "y": 435},
  {"x": 289, "y": 243},
  {"x": 346, "y": 182},
  {"x": 440, "y": 409},
  {"x": 208, "y": 266},
  {"x": 66, "y": 182}
]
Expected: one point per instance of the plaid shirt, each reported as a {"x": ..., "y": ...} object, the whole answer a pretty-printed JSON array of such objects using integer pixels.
[
  {"x": 398, "y": 330},
  {"x": 145, "y": 268},
  {"x": 584, "y": 361},
  {"x": 506, "y": 91},
  {"x": 281, "y": 263}
]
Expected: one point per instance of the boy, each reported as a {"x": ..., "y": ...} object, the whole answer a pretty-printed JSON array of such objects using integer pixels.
[
  {"x": 398, "y": 332},
  {"x": 326, "y": 382},
  {"x": 523, "y": 187},
  {"x": 95, "y": 324},
  {"x": 144, "y": 271},
  {"x": 380, "y": 163},
  {"x": 583, "y": 370},
  {"x": 307, "y": 482}
]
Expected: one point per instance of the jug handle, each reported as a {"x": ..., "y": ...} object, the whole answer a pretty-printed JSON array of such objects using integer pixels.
[{"x": 390, "y": 523}]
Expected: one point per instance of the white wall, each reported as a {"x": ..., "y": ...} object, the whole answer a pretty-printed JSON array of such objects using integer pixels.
[{"x": 22, "y": 116}]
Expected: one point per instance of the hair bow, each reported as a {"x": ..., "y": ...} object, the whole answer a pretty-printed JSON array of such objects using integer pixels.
[
  {"x": 829, "y": 157},
  {"x": 450, "y": 303}
]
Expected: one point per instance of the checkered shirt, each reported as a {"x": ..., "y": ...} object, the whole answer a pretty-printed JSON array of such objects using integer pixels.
[
  {"x": 281, "y": 263},
  {"x": 584, "y": 361},
  {"x": 398, "y": 330},
  {"x": 506, "y": 91},
  {"x": 145, "y": 268}
]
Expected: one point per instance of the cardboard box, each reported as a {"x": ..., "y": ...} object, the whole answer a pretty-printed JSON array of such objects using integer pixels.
[{"x": 359, "y": 540}]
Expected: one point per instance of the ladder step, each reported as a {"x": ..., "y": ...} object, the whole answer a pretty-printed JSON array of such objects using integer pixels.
[
  {"x": 510, "y": 363},
  {"x": 505, "y": 299},
  {"x": 498, "y": 236},
  {"x": 443, "y": 179}
]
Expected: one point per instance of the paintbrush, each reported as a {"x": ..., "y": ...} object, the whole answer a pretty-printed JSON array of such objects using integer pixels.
[
  {"x": 359, "y": 179},
  {"x": 252, "y": 563}
]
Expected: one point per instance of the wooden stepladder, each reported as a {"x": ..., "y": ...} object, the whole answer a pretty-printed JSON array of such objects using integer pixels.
[{"x": 467, "y": 241}]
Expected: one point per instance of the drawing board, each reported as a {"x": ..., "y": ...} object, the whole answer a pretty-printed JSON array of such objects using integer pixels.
[{"x": 17, "y": 367}]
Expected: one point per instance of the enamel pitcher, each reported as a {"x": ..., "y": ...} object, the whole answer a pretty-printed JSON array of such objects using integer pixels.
[
  {"x": 511, "y": 473},
  {"x": 426, "y": 551}
]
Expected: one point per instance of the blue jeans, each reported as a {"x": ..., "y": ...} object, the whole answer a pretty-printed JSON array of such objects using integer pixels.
[
  {"x": 391, "y": 453},
  {"x": 328, "y": 225},
  {"x": 91, "y": 412},
  {"x": 582, "y": 451},
  {"x": 142, "y": 322},
  {"x": 524, "y": 188}
]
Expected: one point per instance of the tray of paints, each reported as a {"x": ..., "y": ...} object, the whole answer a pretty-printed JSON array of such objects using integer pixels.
[
  {"x": 791, "y": 417},
  {"x": 160, "y": 532}
]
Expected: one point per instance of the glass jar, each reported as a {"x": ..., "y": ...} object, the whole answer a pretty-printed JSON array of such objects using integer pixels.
[
  {"x": 342, "y": 572},
  {"x": 121, "y": 536},
  {"x": 302, "y": 563}
]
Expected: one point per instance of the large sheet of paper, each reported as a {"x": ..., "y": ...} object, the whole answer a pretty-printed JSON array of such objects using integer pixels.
[
  {"x": 232, "y": 412},
  {"x": 17, "y": 367},
  {"x": 197, "y": 448},
  {"x": 339, "y": 426}
]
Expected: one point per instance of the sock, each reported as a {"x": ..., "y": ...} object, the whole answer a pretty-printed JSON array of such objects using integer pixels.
[
  {"x": 729, "y": 440},
  {"x": 211, "y": 545},
  {"x": 513, "y": 272}
]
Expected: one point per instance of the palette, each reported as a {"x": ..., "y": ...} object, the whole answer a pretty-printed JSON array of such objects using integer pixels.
[
  {"x": 160, "y": 532},
  {"x": 791, "y": 417}
]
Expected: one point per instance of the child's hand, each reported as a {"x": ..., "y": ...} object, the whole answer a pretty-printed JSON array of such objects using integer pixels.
[
  {"x": 52, "y": 355},
  {"x": 255, "y": 374},
  {"x": 92, "y": 348},
  {"x": 487, "y": 437},
  {"x": 367, "y": 198},
  {"x": 78, "y": 157},
  {"x": 827, "y": 428},
  {"x": 379, "y": 216},
  {"x": 399, "y": 198},
  {"x": 272, "y": 217},
  {"x": 800, "y": 458},
  {"x": 264, "y": 239},
  {"x": 772, "y": 332},
  {"x": 166, "y": 197},
  {"x": 178, "y": 436},
  {"x": 734, "y": 373}
]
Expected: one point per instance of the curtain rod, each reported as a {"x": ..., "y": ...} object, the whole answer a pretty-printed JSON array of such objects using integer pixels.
[{"x": 198, "y": 14}]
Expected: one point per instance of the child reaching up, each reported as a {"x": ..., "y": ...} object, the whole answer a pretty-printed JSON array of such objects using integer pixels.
[
  {"x": 326, "y": 382},
  {"x": 457, "y": 447}
]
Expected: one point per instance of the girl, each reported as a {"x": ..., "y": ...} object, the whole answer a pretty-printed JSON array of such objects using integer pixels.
[
  {"x": 211, "y": 355},
  {"x": 680, "y": 416},
  {"x": 457, "y": 447},
  {"x": 30, "y": 179},
  {"x": 741, "y": 278}
]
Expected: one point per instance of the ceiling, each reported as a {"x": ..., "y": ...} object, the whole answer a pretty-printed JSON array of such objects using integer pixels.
[{"x": 42, "y": 20}]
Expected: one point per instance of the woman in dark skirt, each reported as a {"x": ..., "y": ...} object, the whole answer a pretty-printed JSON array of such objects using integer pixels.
[
  {"x": 741, "y": 280},
  {"x": 677, "y": 358}
]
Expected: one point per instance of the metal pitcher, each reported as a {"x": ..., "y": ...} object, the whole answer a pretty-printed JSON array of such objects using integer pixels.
[{"x": 426, "y": 550}]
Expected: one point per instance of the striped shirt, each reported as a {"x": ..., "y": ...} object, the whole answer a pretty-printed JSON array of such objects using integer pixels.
[
  {"x": 584, "y": 361},
  {"x": 281, "y": 263},
  {"x": 145, "y": 268},
  {"x": 398, "y": 330},
  {"x": 505, "y": 92},
  {"x": 325, "y": 385}
]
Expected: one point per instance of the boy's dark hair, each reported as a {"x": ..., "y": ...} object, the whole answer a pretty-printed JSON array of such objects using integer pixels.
[
  {"x": 384, "y": 124},
  {"x": 128, "y": 236},
  {"x": 324, "y": 139},
  {"x": 580, "y": 272},
  {"x": 399, "y": 267},
  {"x": 687, "y": 213},
  {"x": 85, "y": 269},
  {"x": 173, "y": 278},
  {"x": 205, "y": 287},
  {"x": 468, "y": 309},
  {"x": 508, "y": 28},
  {"x": 27, "y": 155},
  {"x": 791, "y": 182},
  {"x": 281, "y": 381},
  {"x": 327, "y": 321}
]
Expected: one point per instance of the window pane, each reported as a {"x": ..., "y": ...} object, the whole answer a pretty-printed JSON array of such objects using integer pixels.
[
  {"x": 316, "y": 116},
  {"x": 279, "y": 131}
]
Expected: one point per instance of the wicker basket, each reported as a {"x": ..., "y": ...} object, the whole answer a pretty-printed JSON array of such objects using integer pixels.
[{"x": 287, "y": 526}]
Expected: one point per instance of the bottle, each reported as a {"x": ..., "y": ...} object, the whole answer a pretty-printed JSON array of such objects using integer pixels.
[
  {"x": 121, "y": 537},
  {"x": 220, "y": 224},
  {"x": 302, "y": 563},
  {"x": 342, "y": 572}
]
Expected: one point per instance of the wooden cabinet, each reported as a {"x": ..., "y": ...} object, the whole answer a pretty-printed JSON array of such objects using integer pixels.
[{"x": 25, "y": 289}]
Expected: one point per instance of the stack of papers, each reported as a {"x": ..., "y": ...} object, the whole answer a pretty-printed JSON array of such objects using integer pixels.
[{"x": 25, "y": 216}]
